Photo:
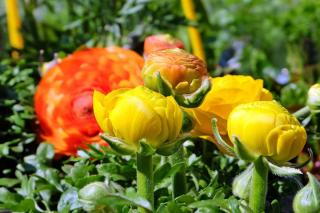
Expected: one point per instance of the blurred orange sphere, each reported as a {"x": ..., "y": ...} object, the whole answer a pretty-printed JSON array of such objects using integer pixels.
[{"x": 63, "y": 100}]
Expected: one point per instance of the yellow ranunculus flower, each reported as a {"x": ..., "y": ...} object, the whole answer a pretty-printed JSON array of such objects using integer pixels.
[
  {"x": 226, "y": 93},
  {"x": 183, "y": 71},
  {"x": 139, "y": 113},
  {"x": 267, "y": 129}
]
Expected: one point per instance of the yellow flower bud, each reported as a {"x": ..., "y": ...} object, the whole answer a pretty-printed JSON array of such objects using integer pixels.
[
  {"x": 226, "y": 93},
  {"x": 184, "y": 72},
  {"x": 266, "y": 128},
  {"x": 314, "y": 97},
  {"x": 136, "y": 114}
]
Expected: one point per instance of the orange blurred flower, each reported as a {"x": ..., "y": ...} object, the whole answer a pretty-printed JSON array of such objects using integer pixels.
[{"x": 63, "y": 100}]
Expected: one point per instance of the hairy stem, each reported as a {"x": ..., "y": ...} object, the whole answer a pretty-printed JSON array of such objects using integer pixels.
[
  {"x": 259, "y": 186},
  {"x": 145, "y": 179}
]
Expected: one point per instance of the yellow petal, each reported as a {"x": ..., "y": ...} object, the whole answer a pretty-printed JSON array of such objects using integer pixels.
[{"x": 98, "y": 109}]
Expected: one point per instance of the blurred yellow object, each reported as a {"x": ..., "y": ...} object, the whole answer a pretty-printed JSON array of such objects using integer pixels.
[
  {"x": 14, "y": 24},
  {"x": 266, "y": 128},
  {"x": 196, "y": 42},
  {"x": 136, "y": 114}
]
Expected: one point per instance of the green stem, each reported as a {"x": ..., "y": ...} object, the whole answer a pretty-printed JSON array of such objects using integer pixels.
[
  {"x": 302, "y": 112},
  {"x": 259, "y": 186},
  {"x": 179, "y": 179},
  {"x": 145, "y": 179}
]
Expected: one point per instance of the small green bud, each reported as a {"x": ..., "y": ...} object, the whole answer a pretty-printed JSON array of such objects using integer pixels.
[
  {"x": 313, "y": 100},
  {"x": 92, "y": 196},
  {"x": 242, "y": 183},
  {"x": 307, "y": 200}
]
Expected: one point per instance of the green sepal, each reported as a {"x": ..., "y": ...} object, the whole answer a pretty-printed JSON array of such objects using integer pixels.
[
  {"x": 194, "y": 99},
  {"x": 282, "y": 171},
  {"x": 315, "y": 185},
  {"x": 308, "y": 198},
  {"x": 228, "y": 149},
  {"x": 187, "y": 122},
  {"x": 242, "y": 152},
  {"x": 118, "y": 145},
  {"x": 242, "y": 183},
  {"x": 163, "y": 86},
  {"x": 145, "y": 149},
  {"x": 172, "y": 147}
]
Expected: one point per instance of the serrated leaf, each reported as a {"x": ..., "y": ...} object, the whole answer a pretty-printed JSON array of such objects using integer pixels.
[{"x": 282, "y": 171}]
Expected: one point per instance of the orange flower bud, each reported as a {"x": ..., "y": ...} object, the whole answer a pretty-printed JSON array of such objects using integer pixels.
[
  {"x": 63, "y": 100},
  {"x": 183, "y": 71}
]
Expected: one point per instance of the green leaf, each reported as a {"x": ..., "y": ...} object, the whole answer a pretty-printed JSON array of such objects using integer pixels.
[
  {"x": 8, "y": 182},
  {"x": 163, "y": 85},
  {"x": 26, "y": 206},
  {"x": 242, "y": 152},
  {"x": 79, "y": 183},
  {"x": 171, "y": 147},
  {"x": 117, "y": 145},
  {"x": 161, "y": 173},
  {"x": 171, "y": 206},
  {"x": 196, "y": 98},
  {"x": 187, "y": 122},
  {"x": 185, "y": 199},
  {"x": 282, "y": 171},
  {"x": 45, "y": 152},
  {"x": 79, "y": 171},
  {"x": 69, "y": 199},
  {"x": 210, "y": 204},
  {"x": 9, "y": 197},
  {"x": 145, "y": 149},
  {"x": 108, "y": 168},
  {"x": 131, "y": 198}
]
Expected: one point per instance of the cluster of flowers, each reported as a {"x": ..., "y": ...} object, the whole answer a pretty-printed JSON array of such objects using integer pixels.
[{"x": 142, "y": 107}]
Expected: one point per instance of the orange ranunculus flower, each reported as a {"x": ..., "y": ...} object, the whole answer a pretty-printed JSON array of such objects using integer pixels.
[
  {"x": 63, "y": 100},
  {"x": 226, "y": 93},
  {"x": 161, "y": 42}
]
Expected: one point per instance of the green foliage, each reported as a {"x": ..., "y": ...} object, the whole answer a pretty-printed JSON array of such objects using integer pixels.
[{"x": 17, "y": 135}]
